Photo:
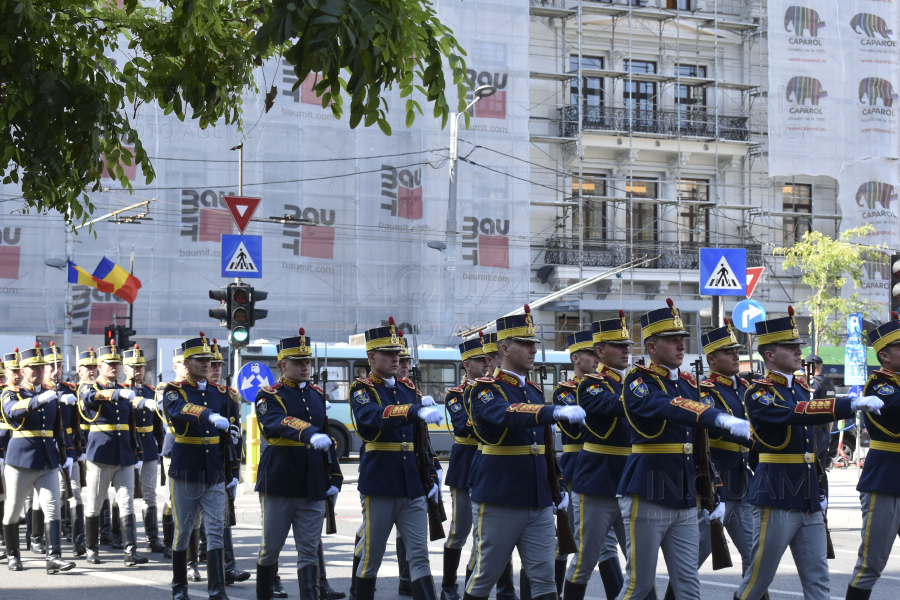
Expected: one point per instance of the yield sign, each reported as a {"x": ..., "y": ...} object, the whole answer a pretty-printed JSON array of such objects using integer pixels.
[
  {"x": 754, "y": 274},
  {"x": 241, "y": 209}
]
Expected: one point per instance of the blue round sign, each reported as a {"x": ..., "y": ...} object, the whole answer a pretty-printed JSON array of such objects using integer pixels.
[
  {"x": 251, "y": 377},
  {"x": 747, "y": 314},
  {"x": 855, "y": 392}
]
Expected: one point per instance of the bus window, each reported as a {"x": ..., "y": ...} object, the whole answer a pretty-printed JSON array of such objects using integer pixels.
[
  {"x": 338, "y": 387},
  {"x": 437, "y": 378}
]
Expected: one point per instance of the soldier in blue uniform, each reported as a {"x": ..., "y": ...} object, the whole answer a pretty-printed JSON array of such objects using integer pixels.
[
  {"x": 511, "y": 496},
  {"x": 149, "y": 432},
  {"x": 606, "y": 439},
  {"x": 298, "y": 470},
  {"x": 787, "y": 498},
  {"x": 658, "y": 499},
  {"x": 113, "y": 452},
  {"x": 203, "y": 420},
  {"x": 33, "y": 458},
  {"x": 386, "y": 410},
  {"x": 879, "y": 487}
]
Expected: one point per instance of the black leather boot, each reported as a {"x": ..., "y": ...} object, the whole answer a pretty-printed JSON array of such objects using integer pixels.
[
  {"x": 353, "y": 573},
  {"x": 53, "y": 539},
  {"x": 326, "y": 592},
  {"x": 105, "y": 523},
  {"x": 308, "y": 577},
  {"x": 365, "y": 588},
  {"x": 404, "y": 588},
  {"x": 559, "y": 574},
  {"x": 37, "y": 531},
  {"x": 232, "y": 573},
  {"x": 265, "y": 578},
  {"x": 449, "y": 588},
  {"x": 11, "y": 540},
  {"x": 2, "y": 508},
  {"x": 66, "y": 521},
  {"x": 611, "y": 575},
  {"x": 92, "y": 535},
  {"x": 524, "y": 586},
  {"x": 179, "y": 575},
  {"x": 550, "y": 596},
  {"x": 28, "y": 529},
  {"x": 215, "y": 574},
  {"x": 670, "y": 593},
  {"x": 574, "y": 591},
  {"x": 78, "y": 541},
  {"x": 151, "y": 530},
  {"x": 468, "y": 596},
  {"x": 168, "y": 533},
  {"x": 423, "y": 588},
  {"x": 116, "y": 543},
  {"x": 193, "y": 561},
  {"x": 854, "y": 593},
  {"x": 506, "y": 587},
  {"x": 202, "y": 530},
  {"x": 278, "y": 590},
  {"x": 129, "y": 537}
]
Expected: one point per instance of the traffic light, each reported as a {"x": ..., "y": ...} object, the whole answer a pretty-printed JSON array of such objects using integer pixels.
[
  {"x": 257, "y": 314},
  {"x": 109, "y": 333},
  {"x": 123, "y": 339},
  {"x": 894, "y": 293},
  {"x": 240, "y": 308},
  {"x": 222, "y": 313}
]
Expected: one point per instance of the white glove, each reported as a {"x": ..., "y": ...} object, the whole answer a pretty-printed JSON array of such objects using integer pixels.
[
  {"x": 148, "y": 403},
  {"x": 68, "y": 464},
  {"x": 332, "y": 493},
  {"x": 68, "y": 399},
  {"x": 432, "y": 416},
  {"x": 737, "y": 427},
  {"x": 717, "y": 515},
  {"x": 126, "y": 394},
  {"x": 320, "y": 441},
  {"x": 219, "y": 422},
  {"x": 564, "y": 502},
  {"x": 870, "y": 404},
  {"x": 138, "y": 465},
  {"x": 824, "y": 502},
  {"x": 427, "y": 401},
  {"x": 82, "y": 458},
  {"x": 232, "y": 486},
  {"x": 235, "y": 433},
  {"x": 440, "y": 474},
  {"x": 433, "y": 492},
  {"x": 46, "y": 397},
  {"x": 572, "y": 414},
  {"x": 327, "y": 406}
]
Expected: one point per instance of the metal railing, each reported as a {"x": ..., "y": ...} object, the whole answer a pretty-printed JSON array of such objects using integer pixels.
[
  {"x": 564, "y": 251},
  {"x": 688, "y": 123}
]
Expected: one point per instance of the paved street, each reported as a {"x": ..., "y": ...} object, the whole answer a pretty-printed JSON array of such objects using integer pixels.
[{"x": 112, "y": 579}]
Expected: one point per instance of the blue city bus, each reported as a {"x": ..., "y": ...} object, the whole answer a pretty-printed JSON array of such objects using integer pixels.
[{"x": 441, "y": 369}]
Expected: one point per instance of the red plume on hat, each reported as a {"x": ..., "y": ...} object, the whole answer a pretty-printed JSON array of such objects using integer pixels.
[
  {"x": 400, "y": 332},
  {"x": 90, "y": 349},
  {"x": 36, "y": 345},
  {"x": 727, "y": 321},
  {"x": 895, "y": 316},
  {"x": 669, "y": 302},
  {"x": 202, "y": 334},
  {"x": 391, "y": 321},
  {"x": 790, "y": 310},
  {"x": 136, "y": 347},
  {"x": 527, "y": 309},
  {"x": 302, "y": 331},
  {"x": 621, "y": 314},
  {"x": 480, "y": 334}
]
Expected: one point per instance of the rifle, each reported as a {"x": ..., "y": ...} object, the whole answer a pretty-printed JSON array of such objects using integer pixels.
[
  {"x": 706, "y": 476},
  {"x": 330, "y": 521},
  {"x": 564, "y": 534},
  {"x": 159, "y": 432},
  {"x": 228, "y": 460},
  {"x": 820, "y": 474},
  {"x": 59, "y": 432},
  {"x": 132, "y": 426},
  {"x": 422, "y": 444},
  {"x": 78, "y": 441}
]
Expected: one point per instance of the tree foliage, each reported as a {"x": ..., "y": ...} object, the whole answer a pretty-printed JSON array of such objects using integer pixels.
[
  {"x": 65, "y": 105},
  {"x": 826, "y": 265}
]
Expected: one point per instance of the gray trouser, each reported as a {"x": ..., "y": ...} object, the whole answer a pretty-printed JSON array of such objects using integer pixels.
[
  {"x": 773, "y": 531},
  {"x": 20, "y": 482},
  {"x": 98, "y": 477},
  {"x": 648, "y": 527},
  {"x": 380, "y": 514},
  {"x": 881, "y": 521},
  {"x": 279, "y": 514},
  {"x": 615, "y": 539},
  {"x": 500, "y": 529},
  {"x": 738, "y": 521},
  {"x": 74, "y": 481},
  {"x": 188, "y": 499},
  {"x": 461, "y": 521},
  {"x": 149, "y": 479},
  {"x": 595, "y": 519}
]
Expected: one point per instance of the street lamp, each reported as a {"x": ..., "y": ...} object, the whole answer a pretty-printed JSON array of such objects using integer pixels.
[
  {"x": 63, "y": 265},
  {"x": 450, "y": 253}
]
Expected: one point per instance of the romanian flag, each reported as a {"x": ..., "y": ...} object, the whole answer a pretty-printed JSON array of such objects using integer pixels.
[
  {"x": 125, "y": 285},
  {"x": 79, "y": 276}
]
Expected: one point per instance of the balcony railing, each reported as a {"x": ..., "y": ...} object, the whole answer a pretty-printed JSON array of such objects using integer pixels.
[
  {"x": 564, "y": 251},
  {"x": 688, "y": 123}
]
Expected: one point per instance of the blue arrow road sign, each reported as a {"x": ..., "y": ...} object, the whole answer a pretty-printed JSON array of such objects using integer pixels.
[
  {"x": 747, "y": 314},
  {"x": 251, "y": 377},
  {"x": 242, "y": 256},
  {"x": 723, "y": 272}
]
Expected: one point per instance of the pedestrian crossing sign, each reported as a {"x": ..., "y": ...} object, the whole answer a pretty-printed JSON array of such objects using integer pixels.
[
  {"x": 723, "y": 272},
  {"x": 242, "y": 256}
]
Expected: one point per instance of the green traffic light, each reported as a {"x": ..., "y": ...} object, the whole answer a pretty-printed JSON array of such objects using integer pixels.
[{"x": 239, "y": 335}]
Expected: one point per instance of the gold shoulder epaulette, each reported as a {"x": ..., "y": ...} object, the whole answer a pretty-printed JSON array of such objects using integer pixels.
[
  {"x": 567, "y": 384},
  {"x": 317, "y": 388}
]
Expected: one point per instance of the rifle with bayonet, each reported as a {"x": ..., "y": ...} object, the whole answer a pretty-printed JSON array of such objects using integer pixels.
[
  {"x": 330, "y": 519},
  {"x": 820, "y": 473},
  {"x": 423, "y": 448},
  {"x": 564, "y": 534},
  {"x": 706, "y": 485},
  {"x": 59, "y": 432}
]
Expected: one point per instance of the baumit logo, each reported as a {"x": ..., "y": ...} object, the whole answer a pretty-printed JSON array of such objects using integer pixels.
[
  {"x": 871, "y": 25},
  {"x": 403, "y": 190},
  {"x": 871, "y": 89},
  {"x": 875, "y": 194},
  {"x": 800, "y": 89},
  {"x": 490, "y": 107},
  {"x": 803, "y": 22}
]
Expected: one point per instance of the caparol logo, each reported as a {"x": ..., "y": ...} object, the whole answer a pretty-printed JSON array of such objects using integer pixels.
[
  {"x": 488, "y": 241},
  {"x": 873, "y": 88},
  {"x": 803, "y": 22},
  {"x": 870, "y": 25},
  {"x": 312, "y": 241},
  {"x": 10, "y": 252},
  {"x": 873, "y": 194},
  {"x": 491, "y": 107},
  {"x": 799, "y": 90},
  {"x": 876, "y": 267},
  {"x": 403, "y": 188}
]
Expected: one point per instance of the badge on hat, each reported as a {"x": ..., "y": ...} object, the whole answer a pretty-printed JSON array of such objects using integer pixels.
[
  {"x": 529, "y": 322},
  {"x": 394, "y": 338}
]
